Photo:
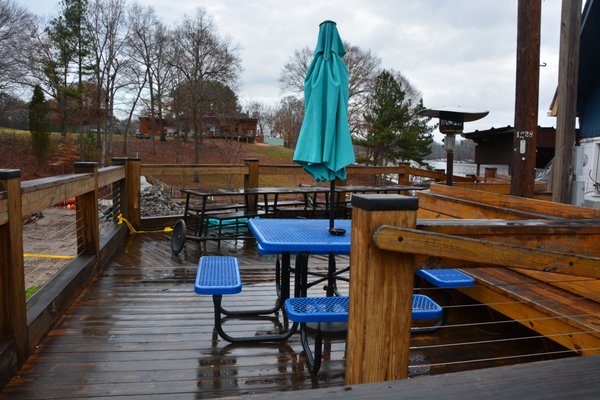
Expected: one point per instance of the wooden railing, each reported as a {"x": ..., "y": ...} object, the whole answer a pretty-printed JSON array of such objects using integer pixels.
[
  {"x": 23, "y": 324},
  {"x": 388, "y": 244},
  {"x": 251, "y": 171},
  {"x": 18, "y": 199}
]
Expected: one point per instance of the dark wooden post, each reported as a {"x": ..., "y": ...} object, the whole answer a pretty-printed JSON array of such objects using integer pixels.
[
  {"x": 133, "y": 172},
  {"x": 568, "y": 70},
  {"x": 88, "y": 230},
  {"x": 120, "y": 191},
  {"x": 251, "y": 181},
  {"x": 13, "y": 312},
  {"x": 381, "y": 291},
  {"x": 449, "y": 165},
  {"x": 526, "y": 98},
  {"x": 403, "y": 175},
  {"x": 490, "y": 173}
]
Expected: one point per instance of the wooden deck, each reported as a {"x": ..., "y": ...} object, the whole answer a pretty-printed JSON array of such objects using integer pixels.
[{"x": 139, "y": 332}]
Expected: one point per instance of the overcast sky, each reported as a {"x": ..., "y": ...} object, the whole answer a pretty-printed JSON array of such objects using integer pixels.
[{"x": 456, "y": 52}]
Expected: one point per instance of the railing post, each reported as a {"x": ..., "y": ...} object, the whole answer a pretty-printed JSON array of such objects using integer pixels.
[
  {"x": 131, "y": 207},
  {"x": 251, "y": 180},
  {"x": 490, "y": 173},
  {"x": 88, "y": 230},
  {"x": 403, "y": 175},
  {"x": 381, "y": 289},
  {"x": 13, "y": 312},
  {"x": 119, "y": 191}
]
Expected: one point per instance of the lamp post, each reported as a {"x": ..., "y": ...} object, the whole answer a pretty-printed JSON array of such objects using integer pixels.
[{"x": 452, "y": 120}]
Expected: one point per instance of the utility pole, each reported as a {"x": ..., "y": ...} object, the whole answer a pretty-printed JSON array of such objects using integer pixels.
[
  {"x": 568, "y": 69},
  {"x": 526, "y": 98}
]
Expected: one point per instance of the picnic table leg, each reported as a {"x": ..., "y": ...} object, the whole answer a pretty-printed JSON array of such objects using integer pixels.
[
  {"x": 331, "y": 268},
  {"x": 285, "y": 276},
  {"x": 381, "y": 289},
  {"x": 301, "y": 275}
]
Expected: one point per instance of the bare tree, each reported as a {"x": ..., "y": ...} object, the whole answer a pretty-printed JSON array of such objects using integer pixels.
[
  {"x": 292, "y": 76},
  {"x": 162, "y": 71},
  {"x": 201, "y": 55},
  {"x": 109, "y": 30},
  {"x": 16, "y": 26},
  {"x": 411, "y": 93},
  {"x": 362, "y": 65},
  {"x": 143, "y": 24},
  {"x": 287, "y": 120},
  {"x": 136, "y": 78},
  {"x": 263, "y": 114}
]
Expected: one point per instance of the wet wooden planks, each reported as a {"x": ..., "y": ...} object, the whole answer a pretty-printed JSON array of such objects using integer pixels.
[{"x": 139, "y": 331}]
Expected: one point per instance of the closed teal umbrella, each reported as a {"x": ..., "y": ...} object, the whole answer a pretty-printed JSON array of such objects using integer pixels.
[{"x": 324, "y": 147}]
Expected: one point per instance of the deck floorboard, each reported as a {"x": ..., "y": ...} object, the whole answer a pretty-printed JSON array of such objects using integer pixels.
[{"x": 140, "y": 332}]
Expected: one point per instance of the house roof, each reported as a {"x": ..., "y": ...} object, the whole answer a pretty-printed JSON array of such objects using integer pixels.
[{"x": 545, "y": 135}]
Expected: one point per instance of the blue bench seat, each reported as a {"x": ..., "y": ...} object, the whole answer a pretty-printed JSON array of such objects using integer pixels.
[
  {"x": 220, "y": 275},
  {"x": 447, "y": 278},
  {"x": 335, "y": 309}
]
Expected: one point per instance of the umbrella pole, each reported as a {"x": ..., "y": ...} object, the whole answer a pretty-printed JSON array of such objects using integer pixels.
[
  {"x": 332, "y": 230},
  {"x": 331, "y": 204}
]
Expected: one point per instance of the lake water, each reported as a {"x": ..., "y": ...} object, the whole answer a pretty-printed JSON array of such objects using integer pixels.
[{"x": 464, "y": 169}]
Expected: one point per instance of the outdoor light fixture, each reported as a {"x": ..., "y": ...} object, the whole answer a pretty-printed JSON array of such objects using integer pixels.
[{"x": 452, "y": 120}]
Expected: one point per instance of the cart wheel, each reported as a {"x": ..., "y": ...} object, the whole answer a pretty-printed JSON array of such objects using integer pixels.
[{"x": 178, "y": 236}]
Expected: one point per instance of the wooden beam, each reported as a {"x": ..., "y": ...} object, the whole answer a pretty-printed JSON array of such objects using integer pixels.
[
  {"x": 580, "y": 236},
  {"x": 40, "y": 194},
  {"x": 526, "y": 97},
  {"x": 503, "y": 188},
  {"x": 109, "y": 175},
  {"x": 462, "y": 208},
  {"x": 415, "y": 241},
  {"x": 517, "y": 203},
  {"x": 561, "y": 316},
  {"x": 192, "y": 169},
  {"x": 381, "y": 291},
  {"x": 13, "y": 312},
  {"x": 568, "y": 69}
]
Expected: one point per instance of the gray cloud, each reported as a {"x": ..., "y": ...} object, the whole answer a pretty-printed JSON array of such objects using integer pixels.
[{"x": 456, "y": 52}]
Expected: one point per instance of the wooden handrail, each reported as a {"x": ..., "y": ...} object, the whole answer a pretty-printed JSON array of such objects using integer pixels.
[
  {"x": 517, "y": 203},
  {"x": 432, "y": 244},
  {"x": 109, "y": 175},
  {"x": 178, "y": 169}
]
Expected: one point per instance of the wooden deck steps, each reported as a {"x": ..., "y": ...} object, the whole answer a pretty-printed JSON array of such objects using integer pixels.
[
  {"x": 564, "y": 307},
  {"x": 568, "y": 319}
]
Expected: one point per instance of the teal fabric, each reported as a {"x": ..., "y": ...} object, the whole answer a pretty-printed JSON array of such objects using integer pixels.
[{"x": 324, "y": 147}]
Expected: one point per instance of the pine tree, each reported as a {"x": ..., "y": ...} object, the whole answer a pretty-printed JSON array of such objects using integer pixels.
[
  {"x": 70, "y": 35},
  {"x": 39, "y": 125},
  {"x": 395, "y": 132}
]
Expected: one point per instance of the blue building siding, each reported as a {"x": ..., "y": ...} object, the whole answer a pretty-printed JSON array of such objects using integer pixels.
[
  {"x": 589, "y": 114},
  {"x": 588, "y": 90}
]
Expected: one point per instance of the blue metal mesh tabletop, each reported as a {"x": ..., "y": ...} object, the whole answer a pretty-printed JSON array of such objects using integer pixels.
[{"x": 300, "y": 235}]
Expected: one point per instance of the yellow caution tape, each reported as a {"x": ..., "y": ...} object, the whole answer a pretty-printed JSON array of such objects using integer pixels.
[
  {"x": 133, "y": 231},
  {"x": 35, "y": 255}
]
